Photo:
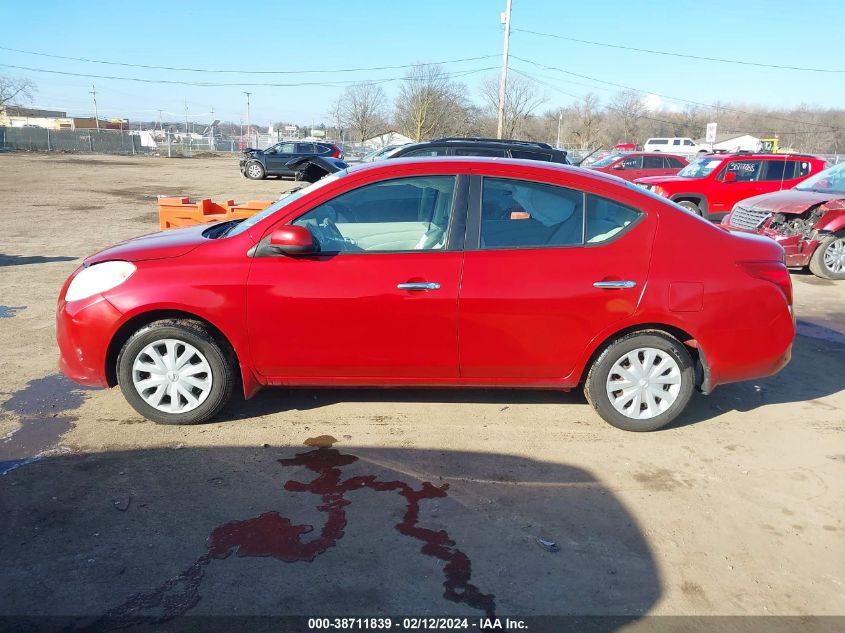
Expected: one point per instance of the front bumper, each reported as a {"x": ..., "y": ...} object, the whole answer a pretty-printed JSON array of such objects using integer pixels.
[
  {"x": 83, "y": 331},
  {"x": 797, "y": 249}
]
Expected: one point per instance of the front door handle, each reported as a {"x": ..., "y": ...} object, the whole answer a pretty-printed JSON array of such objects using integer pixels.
[
  {"x": 605, "y": 285},
  {"x": 419, "y": 285}
]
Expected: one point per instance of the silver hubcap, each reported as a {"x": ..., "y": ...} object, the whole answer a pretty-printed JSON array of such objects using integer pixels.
[
  {"x": 254, "y": 170},
  {"x": 171, "y": 376},
  {"x": 644, "y": 383},
  {"x": 834, "y": 256}
]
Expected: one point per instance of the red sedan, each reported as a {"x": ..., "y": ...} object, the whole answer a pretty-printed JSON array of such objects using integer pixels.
[
  {"x": 633, "y": 165},
  {"x": 464, "y": 272}
]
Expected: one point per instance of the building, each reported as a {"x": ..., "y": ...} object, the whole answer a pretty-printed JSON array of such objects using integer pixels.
[
  {"x": 390, "y": 137},
  {"x": 733, "y": 143},
  {"x": 16, "y": 116}
]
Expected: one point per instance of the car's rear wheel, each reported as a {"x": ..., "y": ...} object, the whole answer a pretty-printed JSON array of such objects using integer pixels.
[
  {"x": 828, "y": 260},
  {"x": 641, "y": 382},
  {"x": 175, "y": 372},
  {"x": 255, "y": 170},
  {"x": 692, "y": 206}
]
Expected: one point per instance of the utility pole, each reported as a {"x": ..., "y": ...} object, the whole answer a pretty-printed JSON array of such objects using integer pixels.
[
  {"x": 211, "y": 138},
  {"x": 559, "y": 119},
  {"x": 186, "y": 118},
  {"x": 160, "y": 125},
  {"x": 93, "y": 94},
  {"x": 248, "y": 126},
  {"x": 506, "y": 20}
]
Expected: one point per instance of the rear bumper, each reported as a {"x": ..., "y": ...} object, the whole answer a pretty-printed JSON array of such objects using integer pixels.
[
  {"x": 751, "y": 353},
  {"x": 83, "y": 331}
]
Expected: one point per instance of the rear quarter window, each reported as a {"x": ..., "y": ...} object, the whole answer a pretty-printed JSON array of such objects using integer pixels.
[
  {"x": 605, "y": 219},
  {"x": 521, "y": 153}
]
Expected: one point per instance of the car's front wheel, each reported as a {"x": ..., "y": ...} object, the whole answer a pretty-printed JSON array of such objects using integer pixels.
[
  {"x": 175, "y": 372},
  {"x": 255, "y": 170},
  {"x": 692, "y": 206},
  {"x": 828, "y": 260},
  {"x": 641, "y": 382}
]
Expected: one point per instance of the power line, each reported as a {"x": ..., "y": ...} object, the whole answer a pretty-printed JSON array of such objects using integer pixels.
[
  {"x": 334, "y": 84},
  {"x": 243, "y": 72},
  {"x": 684, "y": 55},
  {"x": 671, "y": 98},
  {"x": 636, "y": 116}
]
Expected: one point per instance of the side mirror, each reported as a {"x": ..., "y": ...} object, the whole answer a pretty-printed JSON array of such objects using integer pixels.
[
  {"x": 292, "y": 240},
  {"x": 729, "y": 176},
  {"x": 619, "y": 166}
]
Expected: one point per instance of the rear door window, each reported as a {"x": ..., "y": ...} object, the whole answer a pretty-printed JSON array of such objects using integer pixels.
[
  {"x": 652, "y": 162},
  {"x": 779, "y": 170},
  {"x": 523, "y": 214}
]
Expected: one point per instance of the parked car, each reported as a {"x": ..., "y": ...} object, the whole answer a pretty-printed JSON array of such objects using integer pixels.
[
  {"x": 474, "y": 146},
  {"x": 711, "y": 185},
  {"x": 808, "y": 221},
  {"x": 631, "y": 166},
  {"x": 257, "y": 164},
  {"x": 466, "y": 272},
  {"x": 675, "y": 144}
]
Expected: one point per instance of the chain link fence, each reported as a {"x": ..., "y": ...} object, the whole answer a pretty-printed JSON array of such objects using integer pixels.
[{"x": 125, "y": 142}]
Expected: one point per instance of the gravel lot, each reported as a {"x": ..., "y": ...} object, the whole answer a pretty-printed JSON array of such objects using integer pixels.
[{"x": 408, "y": 501}]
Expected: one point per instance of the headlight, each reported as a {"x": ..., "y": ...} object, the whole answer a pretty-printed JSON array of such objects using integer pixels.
[{"x": 98, "y": 278}]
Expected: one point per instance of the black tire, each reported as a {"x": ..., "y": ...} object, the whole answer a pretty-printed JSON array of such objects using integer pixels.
[
  {"x": 595, "y": 387},
  {"x": 254, "y": 170},
  {"x": 817, "y": 264},
  {"x": 224, "y": 377},
  {"x": 692, "y": 206}
]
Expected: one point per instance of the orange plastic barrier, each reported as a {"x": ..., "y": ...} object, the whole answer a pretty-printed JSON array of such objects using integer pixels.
[{"x": 178, "y": 212}]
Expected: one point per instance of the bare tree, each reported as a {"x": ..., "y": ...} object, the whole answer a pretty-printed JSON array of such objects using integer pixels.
[
  {"x": 586, "y": 123},
  {"x": 625, "y": 111},
  {"x": 522, "y": 98},
  {"x": 362, "y": 109},
  {"x": 430, "y": 104},
  {"x": 14, "y": 91}
]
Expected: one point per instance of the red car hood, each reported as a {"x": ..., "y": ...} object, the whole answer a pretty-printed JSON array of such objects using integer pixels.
[
  {"x": 791, "y": 201},
  {"x": 166, "y": 244},
  {"x": 666, "y": 180}
]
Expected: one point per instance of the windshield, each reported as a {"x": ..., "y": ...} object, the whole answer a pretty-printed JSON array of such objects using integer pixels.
[
  {"x": 829, "y": 180},
  {"x": 280, "y": 204},
  {"x": 700, "y": 168},
  {"x": 604, "y": 162}
]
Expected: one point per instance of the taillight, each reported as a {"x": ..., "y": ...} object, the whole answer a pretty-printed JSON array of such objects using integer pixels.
[
  {"x": 336, "y": 152},
  {"x": 774, "y": 272}
]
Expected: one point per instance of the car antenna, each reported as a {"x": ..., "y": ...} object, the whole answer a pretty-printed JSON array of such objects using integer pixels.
[{"x": 578, "y": 164}]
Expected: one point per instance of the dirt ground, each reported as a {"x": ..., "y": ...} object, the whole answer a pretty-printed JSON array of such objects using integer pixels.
[{"x": 385, "y": 502}]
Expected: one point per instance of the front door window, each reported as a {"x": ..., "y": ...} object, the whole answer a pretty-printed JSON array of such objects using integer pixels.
[{"x": 404, "y": 214}]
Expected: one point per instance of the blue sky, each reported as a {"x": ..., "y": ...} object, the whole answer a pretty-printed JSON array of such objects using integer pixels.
[{"x": 276, "y": 36}]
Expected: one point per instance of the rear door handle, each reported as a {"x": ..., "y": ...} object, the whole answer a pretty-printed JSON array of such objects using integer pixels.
[
  {"x": 420, "y": 285},
  {"x": 605, "y": 285}
]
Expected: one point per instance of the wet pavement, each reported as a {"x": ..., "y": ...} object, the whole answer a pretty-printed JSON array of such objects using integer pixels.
[{"x": 44, "y": 410}]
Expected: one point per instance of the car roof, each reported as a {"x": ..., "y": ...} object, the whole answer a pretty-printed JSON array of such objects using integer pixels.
[
  {"x": 467, "y": 162},
  {"x": 629, "y": 154},
  {"x": 492, "y": 142},
  {"x": 758, "y": 156}
]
